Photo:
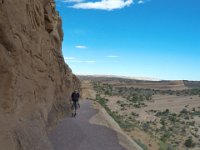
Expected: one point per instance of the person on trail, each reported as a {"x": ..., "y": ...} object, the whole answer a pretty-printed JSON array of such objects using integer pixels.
[{"x": 75, "y": 98}]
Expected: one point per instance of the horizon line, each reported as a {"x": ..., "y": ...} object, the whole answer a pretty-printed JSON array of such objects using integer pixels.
[{"x": 133, "y": 77}]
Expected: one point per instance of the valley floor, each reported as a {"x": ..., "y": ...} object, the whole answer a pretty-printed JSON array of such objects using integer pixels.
[{"x": 155, "y": 119}]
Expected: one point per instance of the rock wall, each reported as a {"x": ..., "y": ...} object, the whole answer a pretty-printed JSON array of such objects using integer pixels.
[{"x": 35, "y": 82}]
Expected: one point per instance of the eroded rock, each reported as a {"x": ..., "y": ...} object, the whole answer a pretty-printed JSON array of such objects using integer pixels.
[{"x": 35, "y": 82}]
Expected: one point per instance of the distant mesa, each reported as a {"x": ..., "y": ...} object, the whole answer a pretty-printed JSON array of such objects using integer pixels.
[
  {"x": 122, "y": 77},
  {"x": 141, "y": 82}
]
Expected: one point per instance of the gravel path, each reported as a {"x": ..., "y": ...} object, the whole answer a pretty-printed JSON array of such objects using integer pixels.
[{"x": 78, "y": 134}]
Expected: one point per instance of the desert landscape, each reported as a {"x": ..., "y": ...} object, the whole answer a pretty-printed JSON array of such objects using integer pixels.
[
  {"x": 158, "y": 115},
  {"x": 46, "y": 44}
]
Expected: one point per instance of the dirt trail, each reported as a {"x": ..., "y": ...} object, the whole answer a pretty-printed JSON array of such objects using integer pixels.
[{"x": 78, "y": 134}]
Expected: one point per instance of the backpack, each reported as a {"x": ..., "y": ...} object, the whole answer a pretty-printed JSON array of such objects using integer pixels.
[{"x": 75, "y": 97}]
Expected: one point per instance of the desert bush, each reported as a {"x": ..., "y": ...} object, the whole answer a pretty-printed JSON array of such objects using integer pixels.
[
  {"x": 103, "y": 102},
  {"x": 137, "y": 105},
  {"x": 196, "y": 113},
  {"x": 184, "y": 111},
  {"x": 141, "y": 98},
  {"x": 172, "y": 119},
  {"x": 164, "y": 113},
  {"x": 148, "y": 96},
  {"x": 163, "y": 121},
  {"x": 166, "y": 146},
  {"x": 98, "y": 96},
  {"x": 124, "y": 124},
  {"x": 153, "y": 111},
  {"x": 119, "y": 119},
  {"x": 165, "y": 136},
  {"x": 123, "y": 108},
  {"x": 186, "y": 117},
  {"x": 118, "y": 102},
  {"x": 189, "y": 143},
  {"x": 183, "y": 131},
  {"x": 129, "y": 117},
  {"x": 173, "y": 114},
  {"x": 163, "y": 146},
  {"x": 191, "y": 123},
  {"x": 134, "y": 114}
]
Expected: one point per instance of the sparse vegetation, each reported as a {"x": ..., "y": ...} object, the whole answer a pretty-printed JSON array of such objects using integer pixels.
[
  {"x": 167, "y": 127},
  {"x": 136, "y": 94},
  {"x": 189, "y": 142},
  {"x": 144, "y": 147},
  {"x": 165, "y": 146},
  {"x": 124, "y": 124}
]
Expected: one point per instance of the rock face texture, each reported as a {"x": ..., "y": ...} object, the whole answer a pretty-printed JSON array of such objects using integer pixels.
[{"x": 35, "y": 82}]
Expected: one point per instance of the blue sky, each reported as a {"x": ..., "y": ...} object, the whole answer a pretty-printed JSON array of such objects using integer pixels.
[{"x": 141, "y": 38}]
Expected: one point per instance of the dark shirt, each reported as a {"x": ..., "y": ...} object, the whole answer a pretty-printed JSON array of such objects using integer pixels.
[{"x": 75, "y": 96}]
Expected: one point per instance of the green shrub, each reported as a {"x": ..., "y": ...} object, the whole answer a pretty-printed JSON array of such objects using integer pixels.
[
  {"x": 137, "y": 105},
  {"x": 124, "y": 124},
  {"x": 134, "y": 114},
  {"x": 102, "y": 101},
  {"x": 195, "y": 113},
  {"x": 164, "y": 113},
  {"x": 162, "y": 121},
  {"x": 165, "y": 136},
  {"x": 187, "y": 117},
  {"x": 189, "y": 142},
  {"x": 118, "y": 102},
  {"x": 172, "y": 119},
  {"x": 120, "y": 120},
  {"x": 165, "y": 146},
  {"x": 184, "y": 111}
]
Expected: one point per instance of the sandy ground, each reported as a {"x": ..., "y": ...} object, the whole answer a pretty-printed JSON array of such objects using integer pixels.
[
  {"x": 159, "y": 102},
  {"x": 173, "y": 103},
  {"x": 162, "y": 102}
]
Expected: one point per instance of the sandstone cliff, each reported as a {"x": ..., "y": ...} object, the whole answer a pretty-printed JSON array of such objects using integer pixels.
[{"x": 35, "y": 82}]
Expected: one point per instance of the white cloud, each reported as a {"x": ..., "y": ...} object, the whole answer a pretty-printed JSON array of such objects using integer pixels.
[
  {"x": 112, "y": 56},
  {"x": 80, "y": 46},
  {"x": 140, "y": 2},
  {"x": 69, "y": 58},
  {"x": 103, "y": 4},
  {"x": 75, "y": 60},
  {"x": 143, "y": 1}
]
